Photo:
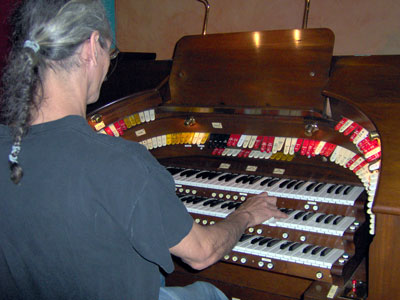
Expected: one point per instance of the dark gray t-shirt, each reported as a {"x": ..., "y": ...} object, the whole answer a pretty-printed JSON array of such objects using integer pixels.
[{"x": 93, "y": 216}]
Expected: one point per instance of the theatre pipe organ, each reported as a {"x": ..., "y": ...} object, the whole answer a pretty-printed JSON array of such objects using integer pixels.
[{"x": 273, "y": 111}]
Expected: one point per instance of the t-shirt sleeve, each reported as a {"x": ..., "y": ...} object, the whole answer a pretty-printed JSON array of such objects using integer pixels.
[{"x": 159, "y": 219}]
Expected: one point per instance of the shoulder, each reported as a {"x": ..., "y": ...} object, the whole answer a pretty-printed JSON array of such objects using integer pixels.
[
  {"x": 98, "y": 152},
  {"x": 120, "y": 149}
]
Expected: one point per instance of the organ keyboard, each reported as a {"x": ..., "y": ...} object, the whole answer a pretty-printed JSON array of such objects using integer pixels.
[
  {"x": 237, "y": 118},
  {"x": 298, "y": 189},
  {"x": 298, "y": 219}
]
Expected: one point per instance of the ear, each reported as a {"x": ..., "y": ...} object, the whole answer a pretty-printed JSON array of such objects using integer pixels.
[{"x": 93, "y": 47}]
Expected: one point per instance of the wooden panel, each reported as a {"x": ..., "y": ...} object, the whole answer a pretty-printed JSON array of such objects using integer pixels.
[
  {"x": 283, "y": 68},
  {"x": 372, "y": 84},
  {"x": 384, "y": 271},
  {"x": 274, "y": 284}
]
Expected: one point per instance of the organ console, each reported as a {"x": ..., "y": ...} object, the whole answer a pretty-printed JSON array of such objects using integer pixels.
[{"x": 273, "y": 111}]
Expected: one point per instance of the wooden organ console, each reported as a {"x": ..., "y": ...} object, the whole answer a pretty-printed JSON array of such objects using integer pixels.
[{"x": 243, "y": 113}]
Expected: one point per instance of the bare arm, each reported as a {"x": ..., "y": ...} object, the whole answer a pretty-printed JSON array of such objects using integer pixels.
[{"x": 204, "y": 245}]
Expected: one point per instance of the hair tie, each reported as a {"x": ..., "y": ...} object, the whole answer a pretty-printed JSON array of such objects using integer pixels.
[
  {"x": 13, "y": 156},
  {"x": 32, "y": 45}
]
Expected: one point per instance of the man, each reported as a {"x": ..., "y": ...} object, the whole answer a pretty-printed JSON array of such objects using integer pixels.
[{"x": 87, "y": 216}]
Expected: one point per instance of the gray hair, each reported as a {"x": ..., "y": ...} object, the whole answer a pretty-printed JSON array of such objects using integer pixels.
[{"x": 47, "y": 34}]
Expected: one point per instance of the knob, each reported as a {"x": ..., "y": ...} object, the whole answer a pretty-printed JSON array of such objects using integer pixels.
[{"x": 310, "y": 129}]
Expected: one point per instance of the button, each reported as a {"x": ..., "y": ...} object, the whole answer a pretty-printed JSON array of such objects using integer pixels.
[
  {"x": 194, "y": 192},
  {"x": 260, "y": 264},
  {"x": 243, "y": 260},
  {"x": 319, "y": 275},
  {"x": 234, "y": 258},
  {"x": 226, "y": 257},
  {"x": 251, "y": 229},
  {"x": 303, "y": 238},
  {"x": 270, "y": 266},
  {"x": 259, "y": 231},
  {"x": 285, "y": 235},
  {"x": 204, "y": 222},
  {"x": 213, "y": 194},
  {"x": 221, "y": 196},
  {"x": 228, "y": 196},
  {"x": 235, "y": 197},
  {"x": 187, "y": 191},
  {"x": 197, "y": 220}
]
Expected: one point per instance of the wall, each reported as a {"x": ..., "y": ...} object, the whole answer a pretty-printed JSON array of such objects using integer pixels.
[
  {"x": 110, "y": 8},
  {"x": 361, "y": 27},
  {"x": 5, "y": 9}
]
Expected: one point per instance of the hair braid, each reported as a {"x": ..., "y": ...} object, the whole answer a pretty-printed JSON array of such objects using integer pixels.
[
  {"x": 47, "y": 34},
  {"x": 21, "y": 78}
]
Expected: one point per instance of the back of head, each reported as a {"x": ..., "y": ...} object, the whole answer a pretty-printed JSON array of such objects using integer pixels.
[{"x": 46, "y": 34}]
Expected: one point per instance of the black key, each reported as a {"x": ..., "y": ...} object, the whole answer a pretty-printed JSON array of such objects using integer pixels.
[
  {"x": 222, "y": 177},
  {"x": 272, "y": 182},
  {"x": 308, "y": 216},
  {"x": 199, "y": 199},
  {"x": 232, "y": 205},
  {"x": 226, "y": 204},
  {"x": 299, "y": 185},
  {"x": 229, "y": 177},
  {"x": 193, "y": 199},
  {"x": 316, "y": 250},
  {"x": 348, "y": 190},
  {"x": 339, "y": 189},
  {"x": 174, "y": 170},
  {"x": 247, "y": 179},
  {"x": 299, "y": 215},
  {"x": 294, "y": 246},
  {"x": 320, "y": 218},
  {"x": 264, "y": 241},
  {"x": 308, "y": 248},
  {"x": 329, "y": 219},
  {"x": 254, "y": 179},
  {"x": 238, "y": 204},
  {"x": 201, "y": 174},
  {"x": 285, "y": 245},
  {"x": 245, "y": 237},
  {"x": 272, "y": 242},
  {"x": 291, "y": 184},
  {"x": 326, "y": 251},
  {"x": 311, "y": 186},
  {"x": 189, "y": 173},
  {"x": 332, "y": 188},
  {"x": 241, "y": 178},
  {"x": 187, "y": 198},
  {"x": 338, "y": 220},
  {"x": 319, "y": 187},
  {"x": 287, "y": 211},
  {"x": 256, "y": 240},
  {"x": 209, "y": 201},
  {"x": 216, "y": 202},
  {"x": 265, "y": 181},
  {"x": 284, "y": 183}
]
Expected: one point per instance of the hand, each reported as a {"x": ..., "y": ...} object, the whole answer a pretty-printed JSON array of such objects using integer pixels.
[{"x": 260, "y": 208}]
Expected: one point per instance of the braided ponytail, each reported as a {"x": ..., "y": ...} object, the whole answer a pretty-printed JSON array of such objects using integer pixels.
[
  {"x": 47, "y": 34},
  {"x": 21, "y": 78}
]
